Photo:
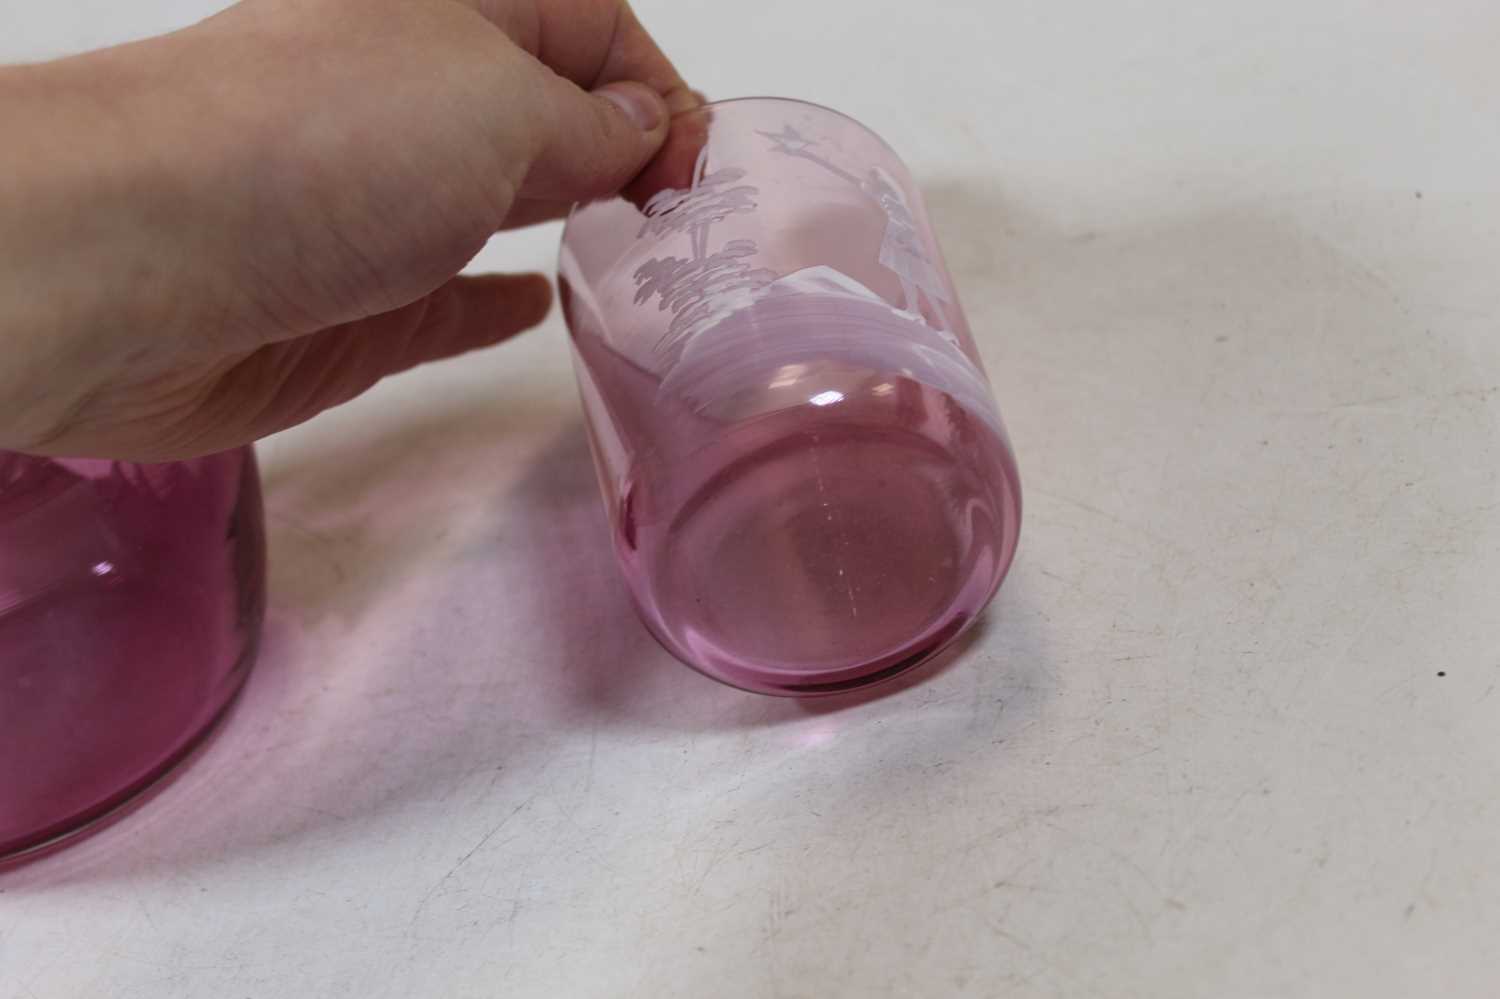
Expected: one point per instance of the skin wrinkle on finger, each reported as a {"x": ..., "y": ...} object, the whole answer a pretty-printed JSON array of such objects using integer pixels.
[
  {"x": 526, "y": 24},
  {"x": 627, "y": 54},
  {"x": 590, "y": 147}
]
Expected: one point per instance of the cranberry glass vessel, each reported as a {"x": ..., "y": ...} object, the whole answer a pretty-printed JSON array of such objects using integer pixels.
[
  {"x": 809, "y": 483},
  {"x": 131, "y": 599}
]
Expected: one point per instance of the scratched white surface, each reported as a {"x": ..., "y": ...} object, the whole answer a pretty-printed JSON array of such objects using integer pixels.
[{"x": 1234, "y": 268}]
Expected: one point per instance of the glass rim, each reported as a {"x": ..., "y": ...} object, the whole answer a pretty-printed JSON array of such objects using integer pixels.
[{"x": 709, "y": 106}]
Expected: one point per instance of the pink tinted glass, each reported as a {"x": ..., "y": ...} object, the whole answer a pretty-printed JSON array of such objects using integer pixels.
[
  {"x": 809, "y": 483},
  {"x": 131, "y": 599}
]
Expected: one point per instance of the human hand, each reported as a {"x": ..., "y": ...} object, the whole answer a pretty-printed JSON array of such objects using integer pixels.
[{"x": 214, "y": 235}]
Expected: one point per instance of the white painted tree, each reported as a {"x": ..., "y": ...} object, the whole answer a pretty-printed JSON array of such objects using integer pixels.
[{"x": 694, "y": 288}]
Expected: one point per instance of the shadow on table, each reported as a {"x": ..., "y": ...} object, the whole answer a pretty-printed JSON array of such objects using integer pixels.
[
  {"x": 397, "y": 666},
  {"x": 447, "y": 613}
]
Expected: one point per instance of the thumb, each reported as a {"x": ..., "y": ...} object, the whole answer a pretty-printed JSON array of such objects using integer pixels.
[{"x": 592, "y": 144}]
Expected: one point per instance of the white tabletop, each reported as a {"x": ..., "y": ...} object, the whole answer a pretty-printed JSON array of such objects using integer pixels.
[{"x": 1229, "y": 730}]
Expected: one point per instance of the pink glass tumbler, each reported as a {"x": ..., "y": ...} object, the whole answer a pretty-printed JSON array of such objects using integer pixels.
[
  {"x": 807, "y": 476},
  {"x": 131, "y": 599}
]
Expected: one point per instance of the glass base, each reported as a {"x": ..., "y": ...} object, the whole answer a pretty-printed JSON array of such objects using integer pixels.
[
  {"x": 861, "y": 676},
  {"x": 124, "y": 802},
  {"x": 131, "y": 602},
  {"x": 829, "y": 549}
]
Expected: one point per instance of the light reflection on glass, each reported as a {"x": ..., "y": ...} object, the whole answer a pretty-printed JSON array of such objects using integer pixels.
[{"x": 787, "y": 375}]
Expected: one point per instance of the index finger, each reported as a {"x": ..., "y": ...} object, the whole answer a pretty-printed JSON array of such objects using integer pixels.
[{"x": 591, "y": 43}]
